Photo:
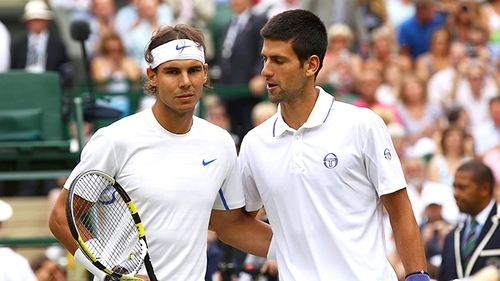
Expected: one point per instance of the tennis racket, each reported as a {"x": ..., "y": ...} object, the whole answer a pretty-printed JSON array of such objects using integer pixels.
[{"x": 106, "y": 226}]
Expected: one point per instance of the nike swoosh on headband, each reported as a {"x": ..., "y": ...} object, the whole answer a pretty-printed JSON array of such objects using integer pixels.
[{"x": 177, "y": 47}]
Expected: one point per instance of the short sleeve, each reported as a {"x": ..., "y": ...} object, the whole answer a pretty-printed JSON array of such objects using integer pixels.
[{"x": 381, "y": 160}]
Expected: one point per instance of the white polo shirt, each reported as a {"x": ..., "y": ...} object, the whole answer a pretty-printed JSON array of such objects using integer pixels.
[
  {"x": 320, "y": 186},
  {"x": 175, "y": 181}
]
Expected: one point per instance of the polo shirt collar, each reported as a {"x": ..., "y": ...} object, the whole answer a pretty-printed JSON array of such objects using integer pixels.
[{"x": 318, "y": 116}]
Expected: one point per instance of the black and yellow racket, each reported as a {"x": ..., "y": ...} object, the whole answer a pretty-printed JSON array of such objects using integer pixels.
[{"x": 106, "y": 226}]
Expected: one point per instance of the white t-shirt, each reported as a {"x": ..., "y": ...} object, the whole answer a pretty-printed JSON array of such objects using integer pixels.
[
  {"x": 321, "y": 188},
  {"x": 174, "y": 180},
  {"x": 14, "y": 267},
  {"x": 477, "y": 109}
]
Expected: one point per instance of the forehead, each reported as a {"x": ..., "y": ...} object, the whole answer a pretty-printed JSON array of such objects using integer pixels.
[
  {"x": 278, "y": 48},
  {"x": 463, "y": 177}
]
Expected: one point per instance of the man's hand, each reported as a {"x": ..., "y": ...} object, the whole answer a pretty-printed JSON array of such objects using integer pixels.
[{"x": 270, "y": 267}]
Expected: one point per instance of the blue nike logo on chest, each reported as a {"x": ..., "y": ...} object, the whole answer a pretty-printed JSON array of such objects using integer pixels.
[{"x": 207, "y": 162}]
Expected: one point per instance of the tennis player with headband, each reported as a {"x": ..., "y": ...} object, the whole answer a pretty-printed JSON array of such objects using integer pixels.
[{"x": 180, "y": 170}]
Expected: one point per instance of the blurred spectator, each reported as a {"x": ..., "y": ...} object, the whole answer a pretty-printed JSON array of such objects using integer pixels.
[
  {"x": 263, "y": 111},
  {"x": 415, "y": 169},
  {"x": 342, "y": 11},
  {"x": 115, "y": 71},
  {"x": 458, "y": 117},
  {"x": 398, "y": 136},
  {"x": 14, "y": 267},
  {"x": 198, "y": 14},
  {"x": 374, "y": 13},
  {"x": 398, "y": 11},
  {"x": 442, "y": 166},
  {"x": 477, "y": 48},
  {"x": 415, "y": 34},
  {"x": 136, "y": 22},
  {"x": 491, "y": 159},
  {"x": 368, "y": 84},
  {"x": 280, "y": 6},
  {"x": 388, "y": 91},
  {"x": 474, "y": 95},
  {"x": 490, "y": 16},
  {"x": 434, "y": 228},
  {"x": 47, "y": 270},
  {"x": 421, "y": 118},
  {"x": 216, "y": 113},
  {"x": 40, "y": 50},
  {"x": 341, "y": 67},
  {"x": 446, "y": 7},
  {"x": 102, "y": 23},
  {"x": 474, "y": 243},
  {"x": 442, "y": 83},
  {"x": 437, "y": 57},
  {"x": 241, "y": 63},
  {"x": 385, "y": 52},
  {"x": 487, "y": 134},
  {"x": 462, "y": 18},
  {"x": 4, "y": 48}
]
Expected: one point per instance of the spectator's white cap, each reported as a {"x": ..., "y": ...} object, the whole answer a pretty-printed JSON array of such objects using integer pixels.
[
  {"x": 37, "y": 9},
  {"x": 433, "y": 195},
  {"x": 5, "y": 211}
]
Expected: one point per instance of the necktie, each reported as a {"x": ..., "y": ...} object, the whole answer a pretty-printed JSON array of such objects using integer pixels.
[
  {"x": 232, "y": 32},
  {"x": 470, "y": 242},
  {"x": 32, "y": 58}
]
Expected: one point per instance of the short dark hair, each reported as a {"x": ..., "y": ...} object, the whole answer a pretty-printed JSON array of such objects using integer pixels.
[
  {"x": 165, "y": 34},
  {"x": 481, "y": 173},
  {"x": 304, "y": 29}
]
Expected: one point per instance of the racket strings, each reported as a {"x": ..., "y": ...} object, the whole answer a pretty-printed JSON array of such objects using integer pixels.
[{"x": 106, "y": 224}]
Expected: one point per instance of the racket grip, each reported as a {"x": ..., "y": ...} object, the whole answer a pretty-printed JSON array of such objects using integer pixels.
[{"x": 80, "y": 257}]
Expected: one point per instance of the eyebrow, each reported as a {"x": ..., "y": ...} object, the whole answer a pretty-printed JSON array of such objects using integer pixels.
[
  {"x": 170, "y": 68},
  {"x": 274, "y": 57}
]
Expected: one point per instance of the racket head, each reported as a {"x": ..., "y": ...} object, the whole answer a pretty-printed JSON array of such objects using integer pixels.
[{"x": 105, "y": 225}]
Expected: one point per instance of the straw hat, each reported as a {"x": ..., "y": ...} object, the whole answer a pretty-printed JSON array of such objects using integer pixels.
[
  {"x": 37, "y": 9},
  {"x": 5, "y": 211}
]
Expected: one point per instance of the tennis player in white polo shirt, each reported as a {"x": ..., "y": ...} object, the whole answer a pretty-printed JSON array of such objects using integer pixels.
[
  {"x": 180, "y": 170},
  {"x": 324, "y": 169}
]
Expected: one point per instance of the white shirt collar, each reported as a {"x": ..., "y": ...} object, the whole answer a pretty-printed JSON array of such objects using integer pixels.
[{"x": 318, "y": 116}]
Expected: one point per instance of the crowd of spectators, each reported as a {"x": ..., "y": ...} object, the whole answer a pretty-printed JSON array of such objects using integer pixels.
[{"x": 429, "y": 68}]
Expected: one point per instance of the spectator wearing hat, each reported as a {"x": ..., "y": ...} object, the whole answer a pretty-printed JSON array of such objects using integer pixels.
[
  {"x": 40, "y": 50},
  {"x": 14, "y": 267}
]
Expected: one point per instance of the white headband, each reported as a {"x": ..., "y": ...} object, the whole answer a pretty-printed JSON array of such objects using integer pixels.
[{"x": 180, "y": 49}]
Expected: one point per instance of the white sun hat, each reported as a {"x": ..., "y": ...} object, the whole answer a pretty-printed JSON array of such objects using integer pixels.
[
  {"x": 5, "y": 211},
  {"x": 37, "y": 9}
]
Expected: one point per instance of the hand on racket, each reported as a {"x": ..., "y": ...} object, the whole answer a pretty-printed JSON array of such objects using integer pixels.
[{"x": 105, "y": 224}]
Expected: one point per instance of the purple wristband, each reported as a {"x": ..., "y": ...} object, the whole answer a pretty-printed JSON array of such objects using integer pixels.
[{"x": 418, "y": 276}]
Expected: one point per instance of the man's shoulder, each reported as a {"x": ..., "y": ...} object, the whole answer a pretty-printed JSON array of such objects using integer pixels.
[{"x": 257, "y": 19}]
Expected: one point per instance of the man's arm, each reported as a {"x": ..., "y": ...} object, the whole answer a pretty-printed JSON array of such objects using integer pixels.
[
  {"x": 58, "y": 223},
  {"x": 406, "y": 232},
  {"x": 242, "y": 231}
]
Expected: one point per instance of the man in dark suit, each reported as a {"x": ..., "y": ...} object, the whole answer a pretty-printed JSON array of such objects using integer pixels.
[
  {"x": 39, "y": 50},
  {"x": 475, "y": 242},
  {"x": 241, "y": 63}
]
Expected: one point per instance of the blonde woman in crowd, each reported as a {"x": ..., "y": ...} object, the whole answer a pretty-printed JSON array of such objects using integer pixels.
[
  {"x": 442, "y": 166},
  {"x": 438, "y": 56},
  {"x": 421, "y": 118},
  {"x": 341, "y": 67},
  {"x": 385, "y": 51}
]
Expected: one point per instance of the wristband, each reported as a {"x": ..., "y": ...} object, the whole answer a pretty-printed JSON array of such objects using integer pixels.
[
  {"x": 80, "y": 257},
  {"x": 418, "y": 276}
]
